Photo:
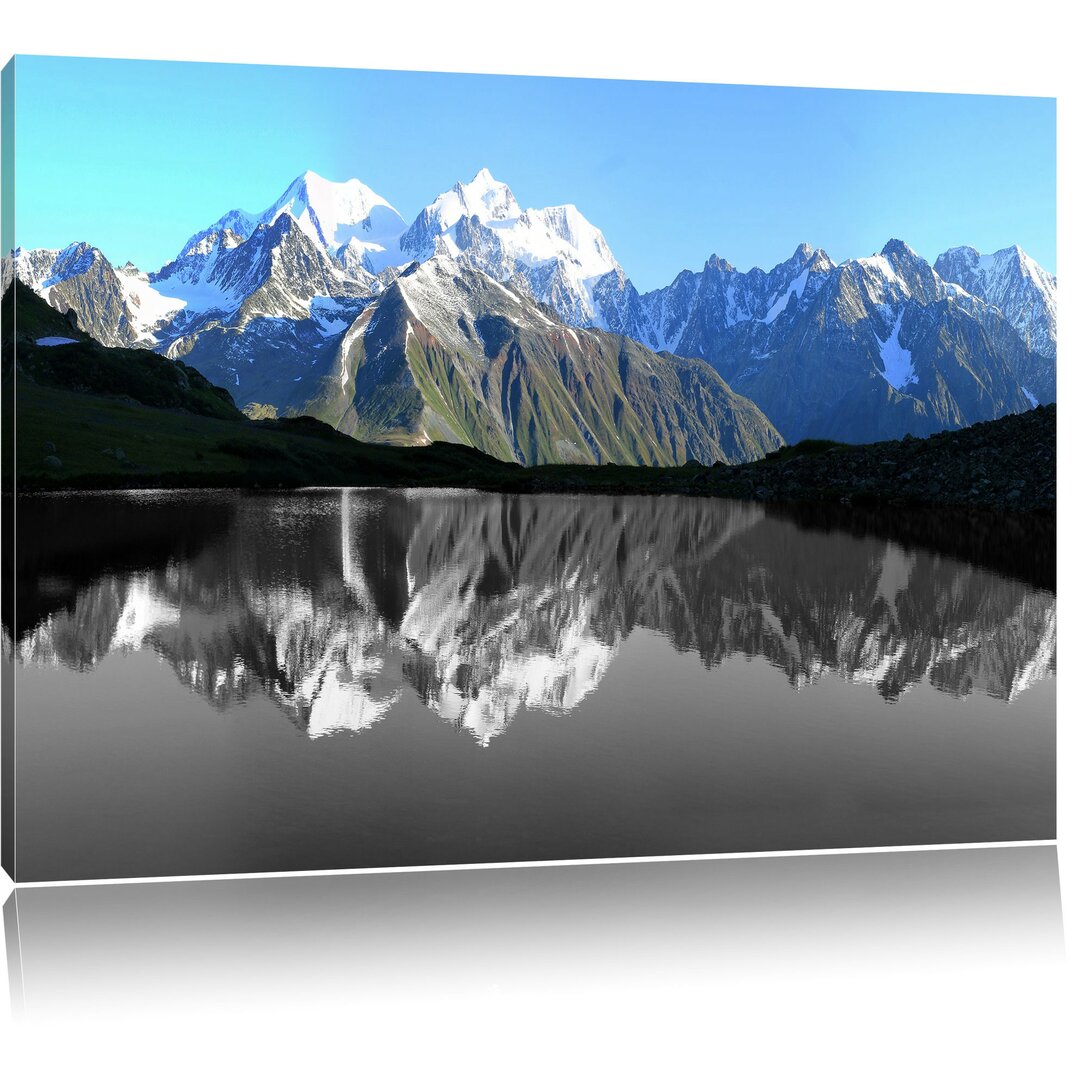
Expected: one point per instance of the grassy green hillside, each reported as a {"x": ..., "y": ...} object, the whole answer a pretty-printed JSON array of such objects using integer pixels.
[
  {"x": 173, "y": 448},
  {"x": 421, "y": 365}
]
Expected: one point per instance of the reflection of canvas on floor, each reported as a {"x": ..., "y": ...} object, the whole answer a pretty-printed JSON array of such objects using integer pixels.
[{"x": 733, "y": 921}]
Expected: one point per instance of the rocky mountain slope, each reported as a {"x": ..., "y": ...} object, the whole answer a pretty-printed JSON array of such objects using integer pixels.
[{"x": 449, "y": 354}]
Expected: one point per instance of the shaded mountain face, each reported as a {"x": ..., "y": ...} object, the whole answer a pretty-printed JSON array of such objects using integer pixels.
[
  {"x": 484, "y": 606},
  {"x": 259, "y": 315},
  {"x": 1025, "y": 294},
  {"x": 274, "y": 273},
  {"x": 447, "y": 353},
  {"x": 869, "y": 349}
]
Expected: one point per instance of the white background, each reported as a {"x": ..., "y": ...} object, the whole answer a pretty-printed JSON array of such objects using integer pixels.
[{"x": 845, "y": 994}]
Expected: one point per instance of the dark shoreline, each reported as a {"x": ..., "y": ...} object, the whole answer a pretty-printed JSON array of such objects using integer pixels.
[{"x": 1005, "y": 465}]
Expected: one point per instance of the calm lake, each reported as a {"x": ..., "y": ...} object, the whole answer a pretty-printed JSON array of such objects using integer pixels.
[{"x": 222, "y": 682}]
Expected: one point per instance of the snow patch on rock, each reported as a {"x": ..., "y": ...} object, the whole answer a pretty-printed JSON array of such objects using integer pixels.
[{"x": 898, "y": 370}]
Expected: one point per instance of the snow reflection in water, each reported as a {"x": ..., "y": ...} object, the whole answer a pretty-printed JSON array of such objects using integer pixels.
[{"x": 336, "y": 602}]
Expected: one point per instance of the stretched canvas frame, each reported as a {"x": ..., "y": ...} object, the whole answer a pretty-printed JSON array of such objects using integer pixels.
[{"x": 609, "y": 607}]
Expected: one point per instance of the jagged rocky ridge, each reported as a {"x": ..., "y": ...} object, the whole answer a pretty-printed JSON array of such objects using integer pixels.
[
  {"x": 485, "y": 606},
  {"x": 1015, "y": 284},
  {"x": 867, "y": 349}
]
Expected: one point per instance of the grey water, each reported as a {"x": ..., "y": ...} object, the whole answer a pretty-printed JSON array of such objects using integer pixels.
[{"x": 226, "y": 682}]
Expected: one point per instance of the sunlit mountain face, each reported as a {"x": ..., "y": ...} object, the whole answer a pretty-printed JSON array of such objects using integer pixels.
[{"x": 338, "y": 604}]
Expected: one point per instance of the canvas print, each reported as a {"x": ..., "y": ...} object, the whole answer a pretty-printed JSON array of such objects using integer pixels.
[{"x": 409, "y": 469}]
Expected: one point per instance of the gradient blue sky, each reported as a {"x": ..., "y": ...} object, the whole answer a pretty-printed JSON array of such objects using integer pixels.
[{"x": 135, "y": 156}]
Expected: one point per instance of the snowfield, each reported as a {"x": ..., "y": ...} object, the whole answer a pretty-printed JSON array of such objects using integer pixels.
[{"x": 898, "y": 369}]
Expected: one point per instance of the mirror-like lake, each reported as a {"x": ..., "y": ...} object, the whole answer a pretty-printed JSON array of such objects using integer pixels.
[{"x": 221, "y": 682}]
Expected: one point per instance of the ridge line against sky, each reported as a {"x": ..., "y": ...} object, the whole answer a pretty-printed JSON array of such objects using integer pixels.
[{"x": 136, "y": 156}]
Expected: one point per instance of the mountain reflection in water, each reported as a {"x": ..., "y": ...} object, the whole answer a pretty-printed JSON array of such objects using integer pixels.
[{"x": 336, "y": 603}]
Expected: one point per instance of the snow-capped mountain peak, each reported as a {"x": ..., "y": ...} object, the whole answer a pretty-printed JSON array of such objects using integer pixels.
[
  {"x": 898, "y": 249},
  {"x": 488, "y": 200},
  {"x": 333, "y": 213},
  {"x": 555, "y": 253},
  {"x": 982, "y": 270},
  {"x": 891, "y": 276},
  {"x": 483, "y": 197},
  {"x": 339, "y": 217},
  {"x": 570, "y": 226},
  {"x": 236, "y": 224},
  {"x": 1014, "y": 283}
]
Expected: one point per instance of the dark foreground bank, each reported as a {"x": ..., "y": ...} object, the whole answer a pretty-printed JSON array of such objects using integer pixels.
[
  {"x": 76, "y": 441},
  {"x": 999, "y": 465}
]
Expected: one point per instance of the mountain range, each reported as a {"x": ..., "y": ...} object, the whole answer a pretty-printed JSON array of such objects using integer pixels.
[{"x": 518, "y": 332}]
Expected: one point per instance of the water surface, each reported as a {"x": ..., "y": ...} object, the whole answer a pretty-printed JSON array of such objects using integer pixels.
[{"x": 221, "y": 682}]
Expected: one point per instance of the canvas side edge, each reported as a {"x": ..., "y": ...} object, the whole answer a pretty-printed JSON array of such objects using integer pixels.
[{"x": 7, "y": 470}]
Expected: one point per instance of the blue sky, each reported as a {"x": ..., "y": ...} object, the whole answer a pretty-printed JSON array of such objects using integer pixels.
[{"x": 135, "y": 156}]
